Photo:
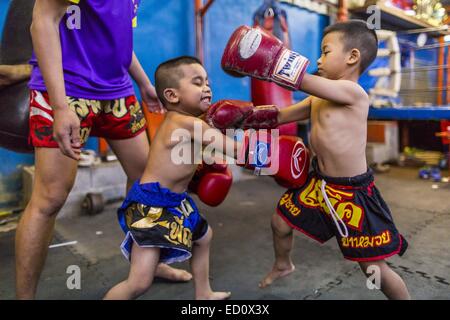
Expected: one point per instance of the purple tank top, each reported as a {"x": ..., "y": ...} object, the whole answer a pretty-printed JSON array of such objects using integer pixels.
[{"x": 96, "y": 49}]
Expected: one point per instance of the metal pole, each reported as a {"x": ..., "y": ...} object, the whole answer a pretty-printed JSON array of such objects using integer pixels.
[
  {"x": 200, "y": 11},
  {"x": 342, "y": 11},
  {"x": 199, "y": 30},
  {"x": 440, "y": 73},
  {"x": 206, "y": 7},
  {"x": 442, "y": 28}
]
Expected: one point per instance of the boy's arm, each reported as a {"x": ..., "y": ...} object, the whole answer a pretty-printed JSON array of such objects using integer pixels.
[
  {"x": 295, "y": 112},
  {"x": 212, "y": 139},
  {"x": 343, "y": 92},
  {"x": 47, "y": 15},
  {"x": 270, "y": 60},
  {"x": 259, "y": 150},
  {"x": 148, "y": 92}
]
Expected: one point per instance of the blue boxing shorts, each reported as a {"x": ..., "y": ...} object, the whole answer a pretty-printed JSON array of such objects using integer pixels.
[
  {"x": 153, "y": 216},
  {"x": 350, "y": 209}
]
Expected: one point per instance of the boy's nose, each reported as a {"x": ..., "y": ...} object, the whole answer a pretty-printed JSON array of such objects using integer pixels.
[{"x": 207, "y": 91}]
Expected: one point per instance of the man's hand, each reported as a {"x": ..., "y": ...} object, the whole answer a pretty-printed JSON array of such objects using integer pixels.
[
  {"x": 148, "y": 95},
  {"x": 66, "y": 131}
]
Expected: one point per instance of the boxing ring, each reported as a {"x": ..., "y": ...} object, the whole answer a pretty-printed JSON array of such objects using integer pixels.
[
  {"x": 410, "y": 113},
  {"x": 420, "y": 88},
  {"x": 413, "y": 85}
]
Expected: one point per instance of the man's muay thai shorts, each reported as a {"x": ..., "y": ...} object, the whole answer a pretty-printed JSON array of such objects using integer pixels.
[{"x": 111, "y": 119}]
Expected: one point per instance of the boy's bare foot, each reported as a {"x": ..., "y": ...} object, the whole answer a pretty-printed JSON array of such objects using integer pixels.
[
  {"x": 166, "y": 272},
  {"x": 214, "y": 296},
  {"x": 275, "y": 274}
]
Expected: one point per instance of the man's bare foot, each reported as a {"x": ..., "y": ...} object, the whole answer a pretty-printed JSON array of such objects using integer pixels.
[
  {"x": 166, "y": 272},
  {"x": 214, "y": 296},
  {"x": 275, "y": 274}
]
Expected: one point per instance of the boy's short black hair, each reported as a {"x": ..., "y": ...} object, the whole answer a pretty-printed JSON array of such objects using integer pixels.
[
  {"x": 168, "y": 74},
  {"x": 356, "y": 34}
]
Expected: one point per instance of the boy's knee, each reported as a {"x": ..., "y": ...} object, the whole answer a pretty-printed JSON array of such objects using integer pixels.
[
  {"x": 371, "y": 267},
  {"x": 141, "y": 287},
  {"x": 280, "y": 227},
  {"x": 206, "y": 239}
]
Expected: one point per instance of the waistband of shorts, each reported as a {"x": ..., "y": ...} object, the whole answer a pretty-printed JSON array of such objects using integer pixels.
[
  {"x": 355, "y": 181},
  {"x": 90, "y": 97},
  {"x": 153, "y": 194}
]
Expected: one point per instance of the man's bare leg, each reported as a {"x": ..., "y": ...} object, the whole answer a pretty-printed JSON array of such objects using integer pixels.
[
  {"x": 200, "y": 269},
  {"x": 133, "y": 154},
  {"x": 282, "y": 243},
  {"x": 392, "y": 285},
  {"x": 54, "y": 178}
]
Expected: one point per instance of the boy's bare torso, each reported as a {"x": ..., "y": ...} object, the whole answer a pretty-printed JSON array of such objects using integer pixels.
[
  {"x": 338, "y": 137},
  {"x": 163, "y": 164}
]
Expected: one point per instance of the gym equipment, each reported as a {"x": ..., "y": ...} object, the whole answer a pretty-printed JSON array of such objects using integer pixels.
[
  {"x": 273, "y": 19},
  {"x": 16, "y": 48}
]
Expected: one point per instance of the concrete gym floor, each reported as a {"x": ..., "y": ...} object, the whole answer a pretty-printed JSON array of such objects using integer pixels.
[{"x": 242, "y": 249}]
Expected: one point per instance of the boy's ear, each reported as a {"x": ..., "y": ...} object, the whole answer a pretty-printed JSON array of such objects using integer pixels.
[
  {"x": 171, "y": 95},
  {"x": 354, "y": 57}
]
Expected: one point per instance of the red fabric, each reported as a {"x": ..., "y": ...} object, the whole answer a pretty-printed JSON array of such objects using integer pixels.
[
  {"x": 445, "y": 127},
  {"x": 264, "y": 92},
  {"x": 110, "y": 119}
]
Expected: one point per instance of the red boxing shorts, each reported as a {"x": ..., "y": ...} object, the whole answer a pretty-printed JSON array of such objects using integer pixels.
[
  {"x": 351, "y": 209},
  {"x": 111, "y": 119}
]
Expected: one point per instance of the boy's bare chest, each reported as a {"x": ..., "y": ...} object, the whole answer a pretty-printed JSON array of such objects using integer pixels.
[{"x": 325, "y": 113}]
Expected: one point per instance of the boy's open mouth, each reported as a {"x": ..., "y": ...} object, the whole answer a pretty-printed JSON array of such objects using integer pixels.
[{"x": 206, "y": 99}]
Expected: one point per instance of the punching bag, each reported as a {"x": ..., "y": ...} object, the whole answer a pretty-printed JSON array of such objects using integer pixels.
[
  {"x": 16, "y": 48},
  {"x": 273, "y": 19}
]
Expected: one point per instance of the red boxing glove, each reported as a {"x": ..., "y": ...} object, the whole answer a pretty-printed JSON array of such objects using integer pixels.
[
  {"x": 256, "y": 151},
  {"x": 293, "y": 165},
  {"x": 258, "y": 54},
  {"x": 226, "y": 114},
  {"x": 211, "y": 183},
  {"x": 285, "y": 157}
]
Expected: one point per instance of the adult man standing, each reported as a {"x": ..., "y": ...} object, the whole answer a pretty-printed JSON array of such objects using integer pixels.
[{"x": 80, "y": 85}]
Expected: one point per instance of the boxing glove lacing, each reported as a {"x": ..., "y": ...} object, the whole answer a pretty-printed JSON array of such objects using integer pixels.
[{"x": 337, "y": 220}]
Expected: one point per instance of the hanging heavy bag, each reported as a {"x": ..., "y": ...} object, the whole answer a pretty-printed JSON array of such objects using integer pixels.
[
  {"x": 273, "y": 19},
  {"x": 16, "y": 48}
]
